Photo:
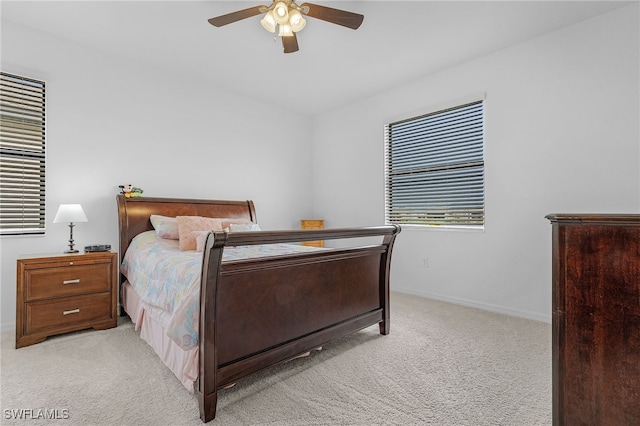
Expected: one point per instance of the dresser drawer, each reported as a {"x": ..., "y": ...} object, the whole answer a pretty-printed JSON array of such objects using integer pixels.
[
  {"x": 44, "y": 283},
  {"x": 67, "y": 311}
]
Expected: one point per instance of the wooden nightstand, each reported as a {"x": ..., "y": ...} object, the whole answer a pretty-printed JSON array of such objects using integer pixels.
[
  {"x": 312, "y": 224},
  {"x": 60, "y": 293}
]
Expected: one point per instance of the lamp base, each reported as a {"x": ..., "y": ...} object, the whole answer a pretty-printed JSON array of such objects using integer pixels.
[{"x": 71, "y": 249}]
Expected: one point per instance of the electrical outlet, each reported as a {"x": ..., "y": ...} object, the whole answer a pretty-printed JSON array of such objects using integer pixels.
[{"x": 425, "y": 262}]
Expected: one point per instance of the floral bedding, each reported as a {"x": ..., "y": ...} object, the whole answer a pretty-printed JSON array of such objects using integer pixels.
[{"x": 167, "y": 280}]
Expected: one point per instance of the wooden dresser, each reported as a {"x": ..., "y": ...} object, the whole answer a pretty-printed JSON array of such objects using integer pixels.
[
  {"x": 64, "y": 292},
  {"x": 596, "y": 319}
]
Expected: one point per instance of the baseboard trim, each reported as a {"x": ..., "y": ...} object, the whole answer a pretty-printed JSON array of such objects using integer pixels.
[
  {"x": 535, "y": 316},
  {"x": 8, "y": 327}
]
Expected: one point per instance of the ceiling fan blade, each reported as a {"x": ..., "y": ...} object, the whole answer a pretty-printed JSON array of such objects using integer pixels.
[
  {"x": 335, "y": 16},
  {"x": 229, "y": 18},
  {"x": 290, "y": 43}
]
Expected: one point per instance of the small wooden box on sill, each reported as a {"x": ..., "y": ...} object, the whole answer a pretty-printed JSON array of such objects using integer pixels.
[{"x": 312, "y": 224}]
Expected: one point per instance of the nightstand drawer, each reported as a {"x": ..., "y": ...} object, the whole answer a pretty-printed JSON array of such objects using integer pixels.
[
  {"x": 78, "y": 279},
  {"x": 313, "y": 243},
  {"x": 67, "y": 311},
  {"x": 312, "y": 224}
]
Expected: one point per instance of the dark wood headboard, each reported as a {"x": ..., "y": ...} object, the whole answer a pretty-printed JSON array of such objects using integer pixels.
[{"x": 134, "y": 213}]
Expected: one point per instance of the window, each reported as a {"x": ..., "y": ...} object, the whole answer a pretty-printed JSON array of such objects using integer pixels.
[
  {"x": 434, "y": 168},
  {"x": 22, "y": 155}
]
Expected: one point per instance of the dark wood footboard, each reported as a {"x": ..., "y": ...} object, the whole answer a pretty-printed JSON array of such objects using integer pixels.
[{"x": 259, "y": 312}]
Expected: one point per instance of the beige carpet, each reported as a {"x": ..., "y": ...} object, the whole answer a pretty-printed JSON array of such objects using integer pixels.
[{"x": 442, "y": 364}]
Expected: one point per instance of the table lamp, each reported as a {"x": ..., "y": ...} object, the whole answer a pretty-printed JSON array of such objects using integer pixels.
[{"x": 70, "y": 213}]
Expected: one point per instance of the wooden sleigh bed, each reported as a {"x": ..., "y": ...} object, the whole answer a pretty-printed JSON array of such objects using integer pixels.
[{"x": 255, "y": 313}]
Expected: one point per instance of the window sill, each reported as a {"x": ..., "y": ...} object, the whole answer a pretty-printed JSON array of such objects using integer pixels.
[{"x": 446, "y": 228}]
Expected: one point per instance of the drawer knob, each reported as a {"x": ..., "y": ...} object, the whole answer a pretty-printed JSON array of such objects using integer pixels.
[
  {"x": 76, "y": 281},
  {"x": 72, "y": 311}
]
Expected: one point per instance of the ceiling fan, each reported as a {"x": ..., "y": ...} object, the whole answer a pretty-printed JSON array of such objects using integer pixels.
[{"x": 287, "y": 17}]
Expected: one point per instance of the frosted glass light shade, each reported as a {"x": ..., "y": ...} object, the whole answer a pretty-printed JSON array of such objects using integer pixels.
[
  {"x": 69, "y": 213},
  {"x": 268, "y": 22},
  {"x": 296, "y": 21},
  {"x": 285, "y": 30},
  {"x": 281, "y": 13}
]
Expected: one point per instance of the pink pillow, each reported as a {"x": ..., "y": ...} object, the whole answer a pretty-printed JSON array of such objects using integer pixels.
[
  {"x": 201, "y": 239},
  {"x": 166, "y": 227},
  {"x": 188, "y": 224}
]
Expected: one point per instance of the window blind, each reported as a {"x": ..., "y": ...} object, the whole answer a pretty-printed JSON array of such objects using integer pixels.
[
  {"x": 22, "y": 155},
  {"x": 434, "y": 168}
]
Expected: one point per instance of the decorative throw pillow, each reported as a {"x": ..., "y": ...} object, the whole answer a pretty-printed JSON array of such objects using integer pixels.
[
  {"x": 240, "y": 227},
  {"x": 188, "y": 224},
  {"x": 166, "y": 227},
  {"x": 227, "y": 222},
  {"x": 201, "y": 239}
]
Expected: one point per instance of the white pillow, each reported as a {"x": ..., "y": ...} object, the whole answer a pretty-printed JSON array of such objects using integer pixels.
[{"x": 243, "y": 227}]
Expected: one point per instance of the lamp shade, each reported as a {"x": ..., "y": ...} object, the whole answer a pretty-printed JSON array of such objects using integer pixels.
[
  {"x": 70, "y": 213},
  {"x": 296, "y": 21},
  {"x": 268, "y": 22},
  {"x": 281, "y": 13},
  {"x": 285, "y": 30}
]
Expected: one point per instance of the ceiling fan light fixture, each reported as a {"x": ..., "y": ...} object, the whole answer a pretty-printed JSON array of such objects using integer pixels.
[
  {"x": 296, "y": 21},
  {"x": 286, "y": 18},
  {"x": 285, "y": 30},
  {"x": 269, "y": 22},
  {"x": 281, "y": 13}
]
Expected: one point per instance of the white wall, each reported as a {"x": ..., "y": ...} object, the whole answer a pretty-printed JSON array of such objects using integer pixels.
[
  {"x": 112, "y": 122},
  {"x": 562, "y": 135}
]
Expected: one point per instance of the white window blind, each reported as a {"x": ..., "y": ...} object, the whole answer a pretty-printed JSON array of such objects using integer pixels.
[
  {"x": 22, "y": 155},
  {"x": 434, "y": 168}
]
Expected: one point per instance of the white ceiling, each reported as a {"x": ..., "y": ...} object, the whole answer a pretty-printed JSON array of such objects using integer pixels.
[{"x": 398, "y": 41}]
